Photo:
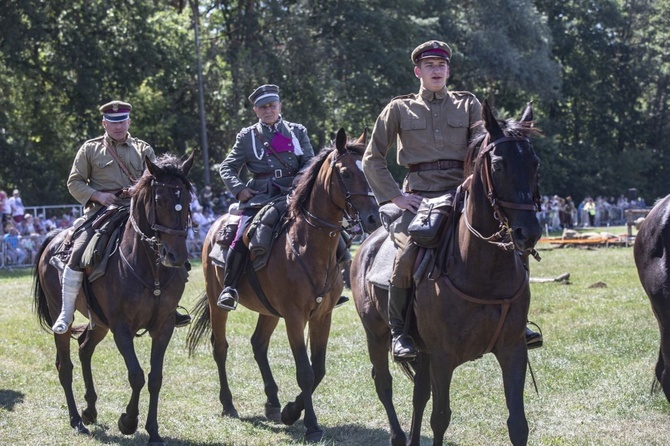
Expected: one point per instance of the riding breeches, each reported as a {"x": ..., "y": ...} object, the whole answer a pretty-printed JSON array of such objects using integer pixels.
[{"x": 83, "y": 236}]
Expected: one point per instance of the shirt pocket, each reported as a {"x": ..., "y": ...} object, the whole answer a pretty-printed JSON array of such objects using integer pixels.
[
  {"x": 413, "y": 124},
  {"x": 457, "y": 131}
]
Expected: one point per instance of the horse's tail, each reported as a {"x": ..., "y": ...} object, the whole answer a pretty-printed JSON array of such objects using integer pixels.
[
  {"x": 200, "y": 326},
  {"x": 408, "y": 370},
  {"x": 39, "y": 296}
]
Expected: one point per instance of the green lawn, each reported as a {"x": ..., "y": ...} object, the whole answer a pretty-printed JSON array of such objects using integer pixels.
[{"x": 594, "y": 374}]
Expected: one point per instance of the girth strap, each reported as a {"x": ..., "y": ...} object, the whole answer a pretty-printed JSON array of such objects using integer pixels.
[{"x": 506, "y": 303}]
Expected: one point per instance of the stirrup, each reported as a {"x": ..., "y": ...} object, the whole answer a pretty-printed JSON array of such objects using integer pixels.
[
  {"x": 535, "y": 341},
  {"x": 411, "y": 352},
  {"x": 222, "y": 302}
]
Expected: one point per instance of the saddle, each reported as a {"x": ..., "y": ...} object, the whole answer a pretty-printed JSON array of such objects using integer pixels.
[
  {"x": 264, "y": 229},
  {"x": 432, "y": 259}
]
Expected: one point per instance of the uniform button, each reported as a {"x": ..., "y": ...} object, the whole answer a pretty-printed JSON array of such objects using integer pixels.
[
  {"x": 437, "y": 130},
  {"x": 435, "y": 115}
]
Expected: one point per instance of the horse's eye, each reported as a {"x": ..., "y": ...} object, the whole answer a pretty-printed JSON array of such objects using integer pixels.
[{"x": 345, "y": 173}]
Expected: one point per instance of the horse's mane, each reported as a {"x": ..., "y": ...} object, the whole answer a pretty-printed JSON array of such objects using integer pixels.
[
  {"x": 510, "y": 127},
  {"x": 304, "y": 181},
  {"x": 170, "y": 165}
]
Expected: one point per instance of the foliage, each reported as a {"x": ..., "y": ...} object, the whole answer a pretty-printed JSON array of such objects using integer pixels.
[{"x": 597, "y": 72}]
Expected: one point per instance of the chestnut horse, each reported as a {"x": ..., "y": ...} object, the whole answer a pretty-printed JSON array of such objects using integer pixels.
[
  {"x": 142, "y": 286},
  {"x": 301, "y": 281},
  {"x": 475, "y": 300},
  {"x": 651, "y": 250}
]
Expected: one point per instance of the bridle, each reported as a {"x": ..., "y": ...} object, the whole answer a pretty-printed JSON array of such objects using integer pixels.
[
  {"x": 352, "y": 216},
  {"x": 504, "y": 237},
  {"x": 182, "y": 227}
]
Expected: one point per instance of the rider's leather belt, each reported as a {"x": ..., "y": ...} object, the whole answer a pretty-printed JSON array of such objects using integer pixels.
[
  {"x": 278, "y": 173},
  {"x": 436, "y": 165}
]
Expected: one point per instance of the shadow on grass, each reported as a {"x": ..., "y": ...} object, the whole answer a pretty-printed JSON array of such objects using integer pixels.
[{"x": 10, "y": 398}]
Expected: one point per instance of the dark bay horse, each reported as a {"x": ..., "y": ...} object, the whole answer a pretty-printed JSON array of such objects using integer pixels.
[
  {"x": 476, "y": 300},
  {"x": 301, "y": 281},
  {"x": 651, "y": 251},
  {"x": 142, "y": 286}
]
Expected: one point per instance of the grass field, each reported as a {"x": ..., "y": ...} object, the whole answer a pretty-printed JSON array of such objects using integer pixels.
[{"x": 594, "y": 374}]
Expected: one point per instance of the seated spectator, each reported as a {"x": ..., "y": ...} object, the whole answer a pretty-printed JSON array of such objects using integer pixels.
[{"x": 15, "y": 254}]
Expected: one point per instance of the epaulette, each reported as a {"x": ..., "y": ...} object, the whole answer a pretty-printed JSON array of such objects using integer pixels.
[
  {"x": 99, "y": 138},
  {"x": 295, "y": 125},
  {"x": 405, "y": 96},
  {"x": 462, "y": 93},
  {"x": 246, "y": 130}
]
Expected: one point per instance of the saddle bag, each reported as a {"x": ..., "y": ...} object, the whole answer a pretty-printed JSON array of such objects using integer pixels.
[
  {"x": 226, "y": 234},
  {"x": 430, "y": 222}
]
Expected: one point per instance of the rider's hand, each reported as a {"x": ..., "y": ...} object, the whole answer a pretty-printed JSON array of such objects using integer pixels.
[
  {"x": 246, "y": 194},
  {"x": 104, "y": 198},
  {"x": 409, "y": 202}
]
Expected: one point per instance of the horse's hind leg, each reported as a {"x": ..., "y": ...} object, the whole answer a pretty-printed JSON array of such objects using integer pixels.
[
  {"x": 64, "y": 367},
  {"x": 260, "y": 342},
  {"x": 663, "y": 363},
  {"x": 87, "y": 343}
]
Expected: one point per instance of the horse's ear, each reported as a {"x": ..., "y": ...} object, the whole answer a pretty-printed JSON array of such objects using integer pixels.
[
  {"x": 527, "y": 115},
  {"x": 490, "y": 122},
  {"x": 363, "y": 139},
  {"x": 153, "y": 169},
  {"x": 341, "y": 140},
  {"x": 186, "y": 165}
]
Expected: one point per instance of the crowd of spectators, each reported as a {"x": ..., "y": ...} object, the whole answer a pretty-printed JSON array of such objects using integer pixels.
[
  {"x": 559, "y": 213},
  {"x": 23, "y": 233}
]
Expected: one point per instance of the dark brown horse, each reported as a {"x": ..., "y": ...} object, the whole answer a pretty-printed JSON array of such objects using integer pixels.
[
  {"x": 140, "y": 290},
  {"x": 651, "y": 251},
  {"x": 475, "y": 300},
  {"x": 301, "y": 281}
]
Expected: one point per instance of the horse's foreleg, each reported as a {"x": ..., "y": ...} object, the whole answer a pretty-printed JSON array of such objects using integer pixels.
[
  {"x": 514, "y": 378},
  {"x": 87, "y": 344},
  {"x": 124, "y": 343},
  {"x": 305, "y": 377},
  {"x": 441, "y": 373},
  {"x": 421, "y": 395},
  {"x": 158, "y": 348},
  {"x": 64, "y": 367},
  {"x": 260, "y": 342},
  {"x": 378, "y": 336}
]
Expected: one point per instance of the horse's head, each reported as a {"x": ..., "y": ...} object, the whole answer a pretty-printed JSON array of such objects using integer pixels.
[
  {"x": 507, "y": 167},
  {"x": 347, "y": 163},
  {"x": 160, "y": 208}
]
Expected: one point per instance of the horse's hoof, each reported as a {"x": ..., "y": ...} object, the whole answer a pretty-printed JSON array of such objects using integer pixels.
[
  {"x": 79, "y": 428},
  {"x": 289, "y": 415},
  {"x": 230, "y": 413},
  {"x": 314, "y": 437},
  {"x": 273, "y": 413},
  {"x": 89, "y": 416},
  {"x": 127, "y": 424},
  {"x": 398, "y": 440},
  {"x": 157, "y": 443}
]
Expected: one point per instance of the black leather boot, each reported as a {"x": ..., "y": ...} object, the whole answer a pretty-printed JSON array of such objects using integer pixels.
[
  {"x": 343, "y": 256},
  {"x": 533, "y": 338},
  {"x": 236, "y": 261},
  {"x": 181, "y": 320},
  {"x": 402, "y": 345}
]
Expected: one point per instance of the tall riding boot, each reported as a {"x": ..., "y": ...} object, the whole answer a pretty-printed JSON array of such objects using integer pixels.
[
  {"x": 402, "y": 344},
  {"x": 236, "y": 261},
  {"x": 71, "y": 284},
  {"x": 343, "y": 256}
]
